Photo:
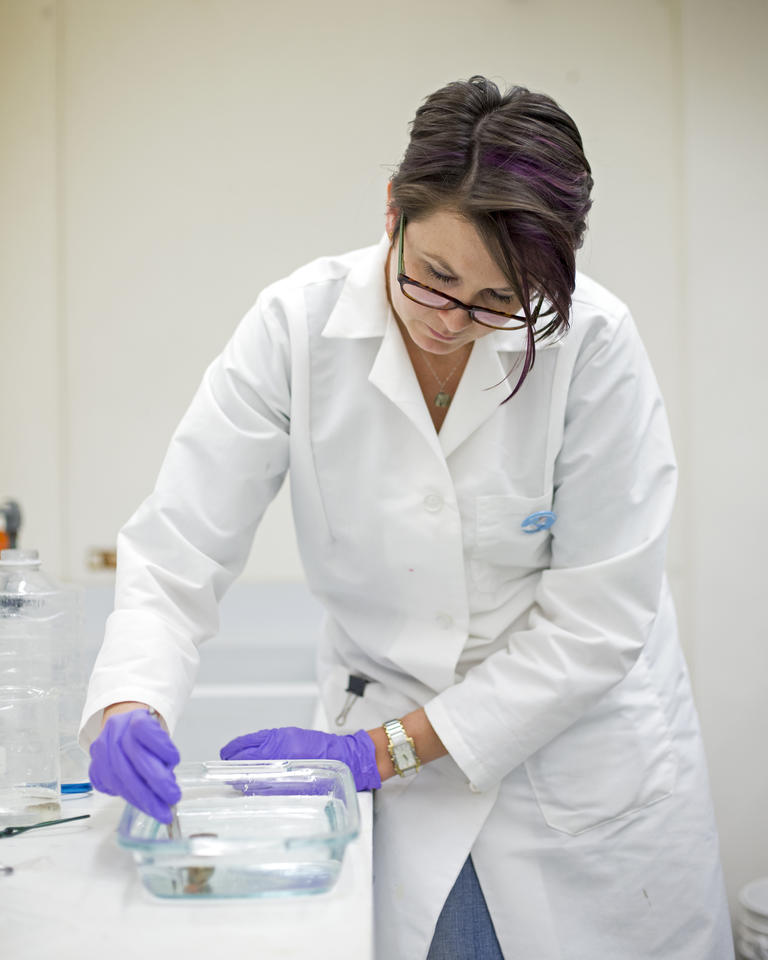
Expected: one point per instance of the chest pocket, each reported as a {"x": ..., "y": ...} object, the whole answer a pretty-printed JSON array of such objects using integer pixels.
[{"x": 506, "y": 547}]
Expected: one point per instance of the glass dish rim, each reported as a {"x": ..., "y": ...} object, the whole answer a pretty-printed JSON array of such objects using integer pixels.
[{"x": 195, "y": 846}]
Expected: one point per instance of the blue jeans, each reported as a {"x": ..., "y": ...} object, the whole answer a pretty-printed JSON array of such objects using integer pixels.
[{"x": 464, "y": 928}]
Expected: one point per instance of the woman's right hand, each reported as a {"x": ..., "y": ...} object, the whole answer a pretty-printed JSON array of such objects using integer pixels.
[{"x": 133, "y": 757}]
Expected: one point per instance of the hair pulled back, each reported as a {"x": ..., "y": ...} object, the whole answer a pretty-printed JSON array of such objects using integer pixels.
[{"x": 512, "y": 164}]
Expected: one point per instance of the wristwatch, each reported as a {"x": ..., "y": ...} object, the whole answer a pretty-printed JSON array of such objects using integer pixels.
[{"x": 402, "y": 749}]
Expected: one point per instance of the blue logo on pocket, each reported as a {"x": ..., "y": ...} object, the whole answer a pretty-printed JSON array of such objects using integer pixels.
[{"x": 535, "y": 522}]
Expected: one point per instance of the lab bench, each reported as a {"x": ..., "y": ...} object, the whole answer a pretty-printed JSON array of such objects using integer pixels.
[{"x": 75, "y": 893}]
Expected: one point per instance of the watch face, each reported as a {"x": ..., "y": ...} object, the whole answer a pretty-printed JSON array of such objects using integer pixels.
[{"x": 403, "y": 756}]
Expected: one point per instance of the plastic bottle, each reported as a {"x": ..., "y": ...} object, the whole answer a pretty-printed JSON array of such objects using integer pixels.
[
  {"x": 30, "y": 781},
  {"x": 40, "y": 647}
]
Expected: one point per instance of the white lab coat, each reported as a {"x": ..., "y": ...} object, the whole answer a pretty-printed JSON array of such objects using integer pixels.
[{"x": 548, "y": 663}]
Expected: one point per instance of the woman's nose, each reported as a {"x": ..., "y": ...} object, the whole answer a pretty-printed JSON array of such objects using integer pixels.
[{"x": 455, "y": 320}]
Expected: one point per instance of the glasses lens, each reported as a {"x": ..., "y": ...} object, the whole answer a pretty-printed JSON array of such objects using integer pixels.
[
  {"x": 425, "y": 297},
  {"x": 494, "y": 320}
]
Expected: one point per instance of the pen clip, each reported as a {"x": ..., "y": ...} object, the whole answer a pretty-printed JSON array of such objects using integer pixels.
[{"x": 355, "y": 688}]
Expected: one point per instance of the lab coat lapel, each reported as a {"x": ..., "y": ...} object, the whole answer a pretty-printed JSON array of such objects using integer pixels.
[
  {"x": 482, "y": 388},
  {"x": 363, "y": 311},
  {"x": 392, "y": 373},
  {"x": 488, "y": 379}
]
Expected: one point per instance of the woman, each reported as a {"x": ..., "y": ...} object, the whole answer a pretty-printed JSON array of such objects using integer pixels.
[{"x": 487, "y": 536}]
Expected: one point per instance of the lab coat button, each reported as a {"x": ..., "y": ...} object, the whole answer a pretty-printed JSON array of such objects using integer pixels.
[
  {"x": 433, "y": 502},
  {"x": 444, "y": 621}
]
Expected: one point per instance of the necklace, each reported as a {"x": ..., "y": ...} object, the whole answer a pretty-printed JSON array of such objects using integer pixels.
[{"x": 442, "y": 398}]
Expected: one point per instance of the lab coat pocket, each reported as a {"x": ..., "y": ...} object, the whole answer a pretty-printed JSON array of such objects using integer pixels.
[
  {"x": 506, "y": 547},
  {"x": 614, "y": 761}
]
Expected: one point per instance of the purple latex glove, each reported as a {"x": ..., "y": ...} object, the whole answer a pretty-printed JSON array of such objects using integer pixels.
[
  {"x": 357, "y": 750},
  {"x": 133, "y": 757}
]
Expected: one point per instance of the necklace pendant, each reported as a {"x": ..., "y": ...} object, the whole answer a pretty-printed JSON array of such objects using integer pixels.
[{"x": 443, "y": 399}]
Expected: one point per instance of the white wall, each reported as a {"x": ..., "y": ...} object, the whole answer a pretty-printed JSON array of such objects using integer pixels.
[
  {"x": 161, "y": 160},
  {"x": 205, "y": 149},
  {"x": 33, "y": 424},
  {"x": 725, "y": 136}
]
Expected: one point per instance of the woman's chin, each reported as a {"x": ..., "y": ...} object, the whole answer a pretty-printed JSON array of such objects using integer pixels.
[{"x": 432, "y": 344}]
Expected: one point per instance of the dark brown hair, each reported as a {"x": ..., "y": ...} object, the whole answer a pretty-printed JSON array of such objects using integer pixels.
[{"x": 513, "y": 164}]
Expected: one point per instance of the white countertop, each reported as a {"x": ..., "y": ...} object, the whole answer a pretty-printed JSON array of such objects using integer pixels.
[{"x": 75, "y": 894}]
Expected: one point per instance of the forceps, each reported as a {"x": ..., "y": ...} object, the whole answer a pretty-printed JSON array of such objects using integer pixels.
[{"x": 174, "y": 827}]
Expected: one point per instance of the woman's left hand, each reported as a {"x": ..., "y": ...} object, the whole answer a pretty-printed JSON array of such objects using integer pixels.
[{"x": 357, "y": 750}]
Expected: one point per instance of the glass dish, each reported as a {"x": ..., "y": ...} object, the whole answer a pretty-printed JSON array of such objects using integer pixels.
[{"x": 248, "y": 829}]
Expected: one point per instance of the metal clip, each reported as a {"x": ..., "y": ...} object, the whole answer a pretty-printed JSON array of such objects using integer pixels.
[{"x": 355, "y": 688}]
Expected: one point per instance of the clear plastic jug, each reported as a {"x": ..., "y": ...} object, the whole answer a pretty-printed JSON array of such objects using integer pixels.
[
  {"x": 41, "y": 647},
  {"x": 29, "y": 756}
]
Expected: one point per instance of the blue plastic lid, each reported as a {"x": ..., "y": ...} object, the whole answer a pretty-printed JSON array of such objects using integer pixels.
[{"x": 84, "y": 787}]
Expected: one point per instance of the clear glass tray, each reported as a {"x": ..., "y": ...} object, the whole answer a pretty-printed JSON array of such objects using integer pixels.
[{"x": 248, "y": 829}]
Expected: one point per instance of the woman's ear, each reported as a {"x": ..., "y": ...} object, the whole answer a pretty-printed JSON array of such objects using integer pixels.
[{"x": 392, "y": 213}]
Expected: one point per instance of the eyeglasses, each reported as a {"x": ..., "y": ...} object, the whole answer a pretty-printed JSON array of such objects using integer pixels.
[{"x": 429, "y": 297}]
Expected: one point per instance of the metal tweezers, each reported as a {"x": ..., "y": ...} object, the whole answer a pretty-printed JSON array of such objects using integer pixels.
[
  {"x": 174, "y": 827},
  {"x": 12, "y": 831}
]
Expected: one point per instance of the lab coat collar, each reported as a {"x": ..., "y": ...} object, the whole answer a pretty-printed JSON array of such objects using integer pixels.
[
  {"x": 363, "y": 310},
  {"x": 483, "y": 386}
]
